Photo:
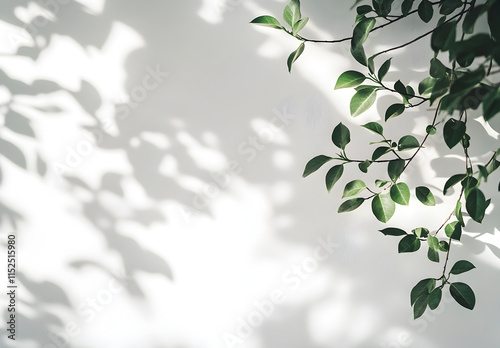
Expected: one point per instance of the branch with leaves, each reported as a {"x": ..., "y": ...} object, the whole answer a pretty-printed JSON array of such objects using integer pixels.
[{"x": 464, "y": 82}]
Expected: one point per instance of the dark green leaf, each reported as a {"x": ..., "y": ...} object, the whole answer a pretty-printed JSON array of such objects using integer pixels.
[
  {"x": 400, "y": 88},
  {"x": 476, "y": 204},
  {"x": 435, "y": 298},
  {"x": 461, "y": 266},
  {"x": 374, "y": 127},
  {"x": 467, "y": 81},
  {"x": 400, "y": 193},
  {"x": 341, "y": 136},
  {"x": 363, "y": 166},
  {"x": 350, "y": 205},
  {"x": 453, "y": 132},
  {"x": 384, "y": 68},
  {"x": 420, "y": 306},
  {"x": 430, "y": 129},
  {"x": 458, "y": 213},
  {"x": 379, "y": 152},
  {"x": 452, "y": 181},
  {"x": 409, "y": 244},
  {"x": 353, "y": 188},
  {"x": 471, "y": 18},
  {"x": 383, "y": 207},
  {"x": 364, "y": 9},
  {"x": 433, "y": 242},
  {"x": 449, "y": 6},
  {"x": 453, "y": 230},
  {"x": 395, "y": 168},
  {"x": 425, "y": 196},
  {"x": 463, "y": 294},
  {"x": 363, "y": 100},
  {"x": 406, "y": 6},
  {"x": 394, "y": 110},
  {"x": 493, "y": 22},
  {"x": 359, "y": 54},
  {"x": 437, "y": 69},
  {"x": 333, "y": 176},
  {"x": 314, "y": 164},
  {"x": 425, "y": 11},
  {"x": 423, "y": 287},
  {"x": 294, "y": 56},
  {"x": 267, "y": 21},
  {"x": 381, "y": 183},
  {"x": 408, "y": 142},
  {"x": 361, "y": 32},
  {"x": 433, "y": 255},
  {"x": 349, "y": 78},
  {"x": 491, "y": 104},
  {"x": 392, "y": 231}
]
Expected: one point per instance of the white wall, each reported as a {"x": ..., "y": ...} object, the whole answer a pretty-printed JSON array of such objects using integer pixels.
[{"x": 118, "y": 253}]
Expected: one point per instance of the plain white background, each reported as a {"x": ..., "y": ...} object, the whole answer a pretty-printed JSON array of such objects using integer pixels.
[{"x": 162, "y": 204}]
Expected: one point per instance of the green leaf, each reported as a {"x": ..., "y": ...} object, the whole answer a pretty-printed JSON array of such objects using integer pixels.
[
  {"x": 467, "y": 81},
  {"x": 341, "y": 136},
  {"x": 425, "y": 11},
  {"x": 458, "y": 213},
  {"x": 433, "y": 255},
  {"x": 395, "y": 168},
  {"x": 430, "y": 129},
  {"x": 392, "y": 231},
  {"x": 461, "y": 266},
  {"x": 350, "y": 205},
  {"x": 315, "y": 163},
  {"x": 476, "y": 204},
  {"x": 420, "y": 232},
  {"x": 294, "y": 56},
  {"x": 300, "y": 25},
  {"x": 435, "y": 298},
  {"x": 425, "y": 196},
  {"x": 381, "y": 183},
  {"x": 453, "y": 131},
  {"x": 448, "y": 6},
  {"x": 394, "y": 110},
  {"x": 363, "y": 166},
  {"x": 444, "y": 36},
  {"x": 374, "y": 127},
  {"x": 384, "y": 68},
  {"x": 453, "y": 230},
  {"x": 353, "y": 188},
  {"x": 471, "y": 18},
  {"x": 437, "y": 69},
  {"x": 420, "y": 306},
  {"x": 463, "y": 294},
  {"x": 383, "y": 207},
  {"x": 349, "y": 78},
  {"x": 363, "y": 100},
  {"x": 452, "y": 181},
  {"x": 361, "y": 32},
  {"x": 433, "y": 252},
  {"x": 399, "y": 87},
  {"x": 423, "y": 287},
  {"x": 379, "y": 152},
  {"x": 493, "y": 23},
  {"x": 267, "y": 21},
  {"x": 291, "y": 13},
  {"x": 333, "y": 176},
  {"x": 408, "y": 142},
  {"x": 491, "y": 104},
  {"x": 359, "y": 54},
  {"x": 406, "y": 6},
  {"x": 400, "y": 193},
  {"x": 364, "y": 9},
  {"x": 410, "y": 243},
  {"x": 444, "y": 246}
]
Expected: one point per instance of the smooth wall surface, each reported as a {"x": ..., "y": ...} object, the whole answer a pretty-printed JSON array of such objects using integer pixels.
[{"x": 154, "y": 186}]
